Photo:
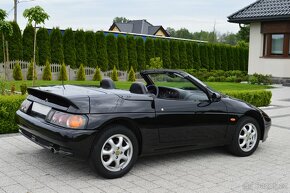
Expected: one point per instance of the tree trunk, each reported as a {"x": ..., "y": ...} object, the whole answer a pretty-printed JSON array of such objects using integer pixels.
[
  {"x": 34, "y": 53},
  {"x": 7, "y": 59},
  {"x": 4, "y": 56}
]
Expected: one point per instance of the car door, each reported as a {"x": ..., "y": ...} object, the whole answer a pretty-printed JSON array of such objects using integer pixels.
[{"x": 190, "y": 122}]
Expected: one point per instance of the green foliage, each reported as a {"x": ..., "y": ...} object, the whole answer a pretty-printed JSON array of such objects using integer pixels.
[
  {"x": 211, "y": 57},
  {"x": 15, "y": 43},
  {"x": 258, "y": 98},
  {"x": 102, "y": 56},
  {"x": 12, "y": 88},
  {"x": 28, "y": 42},
  {"x": 17, "y": 73},
  {"x": 112, "y": 51},
  {"x": 260, "y": 79},
  {"x": 224, "y": 58},
  {"x": 8, "y": 108},
  {"x": 122, "y": 52},
  {"x": 204, "y": 59},
  {"x": 3, "y": 14},
  {"x": 47, "y": 72},
  {"x": 196, "y": 56},
  {"x": 35, "y": 14},
  {"x": 80, "y": 46},
  {"x": 23, "y": 88},
  {"x": 174, "y": 54},
  {"x": 155, "y": 63},
  {"x": 230, "y": 56},
  {"x": 81, "y": 73},
  {"x": 236, "y": 58},
  {"x": 183, "y": 63},
  {"x": 120, "y": 20},
  {"x": 3, "y": 87},
  {"x": 30, "y": 71},
  {"x": 131, "y": 75},
  {"x": 132, "y": 53},
  {"x": 140, "y": 48},
  {"x": 69, "y": 50},
  {"x": 166, "y": 54},
  {"x": 158, "y": 47},
  {"x": 114, "y": 75},
  {"x": 244, "y": 33},
  {"x": 43, "y": 46},
  {"x": 62, "y": 73},
  {"x": 56, "y": 47},
  {"x": 217, "y": 56},
  {"x": 149, "y": 50},
  {"x": 189, "y": 55},
  {"x": 91, "y": 49},
  {"x": 97, "y": 75}
]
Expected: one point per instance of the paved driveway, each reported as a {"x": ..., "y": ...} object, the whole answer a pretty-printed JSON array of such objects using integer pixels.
[{"x": 26, "y": 167}]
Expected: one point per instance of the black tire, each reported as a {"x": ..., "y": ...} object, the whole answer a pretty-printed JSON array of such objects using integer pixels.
[
  {"x": 97, "y": 158},
  {"x": 234, "y": 147}
]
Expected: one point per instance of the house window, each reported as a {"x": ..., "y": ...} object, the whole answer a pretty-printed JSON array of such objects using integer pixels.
[{"x": 277, "y": 44}]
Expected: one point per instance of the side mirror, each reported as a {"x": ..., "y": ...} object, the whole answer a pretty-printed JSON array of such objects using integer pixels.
[{"x": 215, "y": 97}]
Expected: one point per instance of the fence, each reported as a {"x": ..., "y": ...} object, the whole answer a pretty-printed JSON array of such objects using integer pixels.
[{"x": 55, "y": 69}]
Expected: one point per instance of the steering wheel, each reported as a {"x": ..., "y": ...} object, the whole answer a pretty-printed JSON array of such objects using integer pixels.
[{"x": 153, "y": 89}]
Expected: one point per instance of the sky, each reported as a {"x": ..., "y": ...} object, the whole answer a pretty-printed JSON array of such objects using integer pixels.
[{"x": 195, "y": 15}]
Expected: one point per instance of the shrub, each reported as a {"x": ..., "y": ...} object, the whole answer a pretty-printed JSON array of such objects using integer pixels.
[
  {"x": 69, "y": 50},
  {"x": 102, "y": 57},
  {"x": 260, "y": 79},
  {"x": 56, "y": 47},
  {"x": 231, "y": 79},
  {"x": 140, "y": 48},
  {"x": 23, "y": 88},
  {"x": 114, "y": 74},
  {"x": 81, "y": 73},
  {"x": 27, "y": 43},
  {"x": 166, "y": 54},
  {"x": 122, "y": 52},
  {"x": 3, "y": 87},
  {"x": 29, "y": 72},
  {"x": 12, "y": 88},
  {"x": 97, "y": 76},
  {"x": 9, "y": 105},
  {"x": 149, "y": 50},
  {"x": 112, "y": 51},
  {"x": 43, "y": 46},
  {"x": 258, "y": 98},
  {"x": 47, "y": 72},
  {"x": 80, "y": 46},
  {"x": 15, "y": 43},
  {"x": 91, "y": 47},
  {"x": 211, "y": 79},
  {"x": 62, "y": 73},
  {"x": 17, "y": 74},
  {"x": 131, "y": 75},
  {"x": 132, "y": 54},
  {"x": 155, "y": 63}
]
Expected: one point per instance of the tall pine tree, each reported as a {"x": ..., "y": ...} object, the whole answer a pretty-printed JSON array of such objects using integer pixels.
[
  {"x": 69, "y": 50},
  {"x": 91, "y": 49},
  {"x": 102, "y": 56},
  {"x": 204, "y": 60},
  {"x": 132, "y": 54},
  {"x": 140, "y": 48},
  {"x": 158, "y": 47},
  {"x": 15, "y": 43},
  {"x": 224, "y": 58},
  {"x": 166, "y": 54},
  {"x": 80, "y": 47},
  {"x": 112, "y": 52},
  {"x": 43, "y": 46},
  {"x": 27, "y": 43},
  {"x": 211, "y": 57},
  {"x": 149, "y": 50},
  {"x": 196, "y": 56},
  {"x": 182, "y": 55},
  {"x": 56, "y": 47},
  {"x": 122, "y": 52},
  {"x": 217, "y": 54},
  {"x": 189, "y": 55},
  {"x": 174, "y": 54},
  {"x": 230, "y": 57}
]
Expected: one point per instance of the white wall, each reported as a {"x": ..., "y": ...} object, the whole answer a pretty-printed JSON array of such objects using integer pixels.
[{"x": 258, "y": 64}]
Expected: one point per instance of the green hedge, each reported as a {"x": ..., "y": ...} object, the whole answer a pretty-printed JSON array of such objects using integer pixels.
[
  {"x": 9, "y": 105},
  {"x": 258, "y": 98}
]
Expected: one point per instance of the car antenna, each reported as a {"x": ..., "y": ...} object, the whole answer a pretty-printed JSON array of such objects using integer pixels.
[{"x": 62, "y": 75}]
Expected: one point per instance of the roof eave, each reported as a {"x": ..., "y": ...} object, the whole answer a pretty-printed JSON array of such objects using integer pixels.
[{"x": 259, "y": 19}]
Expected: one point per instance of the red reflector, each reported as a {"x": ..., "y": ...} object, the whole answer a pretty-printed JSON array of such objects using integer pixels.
[{"x": 233, "y": 119}]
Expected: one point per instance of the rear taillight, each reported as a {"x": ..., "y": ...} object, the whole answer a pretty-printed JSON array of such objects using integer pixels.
[{"x": 25, "y": 105}]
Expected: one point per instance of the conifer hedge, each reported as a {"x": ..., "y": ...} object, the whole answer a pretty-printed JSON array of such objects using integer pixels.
[
  {"x": 140, "y": 48},
  {"x": 43, "y": 46},
  {"x": 15, "y": 43},
  {"x": 122, "y": 52},
  {"x": 112, "y": 52},
  {"x": 56, "y": 47},
  {"x": 91, "y": 49},
  {"x": 132, "y": 54},
  {"x": 69, "y": 50},
  {"x": 28, "y": 43},
  {"x": 102, "y": 56},
  {"x": 80, "y": 47}
]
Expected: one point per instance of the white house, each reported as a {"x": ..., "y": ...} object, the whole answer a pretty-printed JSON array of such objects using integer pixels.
[{"x": 269, "y": 21}]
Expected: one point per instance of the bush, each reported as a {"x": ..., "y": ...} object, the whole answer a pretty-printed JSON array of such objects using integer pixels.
[
  {"x": 3, "y": 87},
  {"x": 97, "y": 75},
  {"x": 155, "y": 63},
  {"x": 131, "y": 75},
  {"x": 29, "y": 72},
  {"x": 12, "y": 88},
  {"x": 23, "y": 88},
  {"x": 47, "y": 72},
  {"x": 81, "y": 73},
  {"x": 17, "y": 74},
  {"x": 114, "y": 74},
  {"x": 260, "y": 79},
  {"x": 9, "y": 105},
  {"x": 62, "y": 73},
  {"x": 211, "y": 79},
  {"x": 258, "y": 98}
]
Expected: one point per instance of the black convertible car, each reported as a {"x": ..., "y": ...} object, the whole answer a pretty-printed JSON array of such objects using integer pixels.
[{"x": 172, "y": 111}]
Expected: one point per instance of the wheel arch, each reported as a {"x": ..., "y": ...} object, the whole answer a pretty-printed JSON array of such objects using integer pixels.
[{"x": 256, "y": 115}]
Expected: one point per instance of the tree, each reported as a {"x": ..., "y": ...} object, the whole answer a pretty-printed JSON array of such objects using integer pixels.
[
  {"x": 132, "y": 54},
  {"x": 224, "y": 58},
  {"x": 114, "y": 75},
  {"x": 155, "y": 63},
  {"x": 204, "y": 56},
  {"x": 211, "y": 57},
  {"x": 183, "y": 33},
  {"x": 122, "y": 52},
  {"x": 69, "y": 50},
  {"x": 228, "y": 38},
  {"x": 171, "y": 31},
  {"x": 189, "y": 55},
  {"x": 81, "y": 73},
  {"x": 15, "y": 43},
  {"x": 140, "y": 48},
  {"x": 97, "y": 75},
  {"x": 182, "y": 55},
  {"x": 112, "y": 51},
  {"x": 31, "y": 70},
  {"x": 244, "y": 33},
  {"x": 38, "y": 16},
  {"x": 62, "y": 73},
  {"x": 80, "y": 47},
  {"x": 17, "y": 74},
  {"x": 217, "y": 53},
  {"x": 56, "y": 47},
  {"x": 236, "y": 58},
  {"x": 131, "y": 75},
  {"x": 196, "y": 56},
  {"x": 27, "y": 43},
  {"x": 166, "y": 54},
  {"x": 174, "y": 54},
  {"x": 43, "y": 46},
  {"x": 47, "y": 72},
  {"x": 120, "y": 20},
  {"x": 230, "y": 58},
  {"x": 91, "y": 49},
  {"x": 158, "y": 47},
  {"x": 149, "y": 50},
  {"x": 102, "y": 57}
]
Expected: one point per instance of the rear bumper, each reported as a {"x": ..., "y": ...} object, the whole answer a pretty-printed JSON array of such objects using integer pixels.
[
  {"x": 267, "y": 126},
  {"x": 72, "y": 142}
]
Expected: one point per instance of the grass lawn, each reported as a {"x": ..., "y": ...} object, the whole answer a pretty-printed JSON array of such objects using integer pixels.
[{"x": 218, "y": 86}]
